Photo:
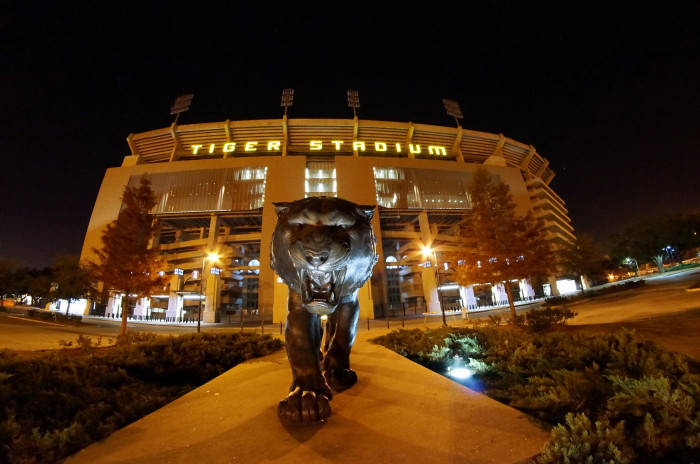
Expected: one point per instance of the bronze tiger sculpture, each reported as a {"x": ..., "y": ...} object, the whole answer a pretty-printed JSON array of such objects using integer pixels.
[{"x": 324, "y": 249}]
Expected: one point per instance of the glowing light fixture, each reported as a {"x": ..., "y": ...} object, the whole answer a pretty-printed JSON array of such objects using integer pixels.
[{"x": 458, "y": 370}]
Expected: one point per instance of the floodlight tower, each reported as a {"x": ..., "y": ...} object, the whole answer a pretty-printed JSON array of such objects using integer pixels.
[
  {"x": 287, "y": 99},
  {"x": 180, "y": 105},
  {"x": 452, "y": 108},
  {"x": 353, "y": 101}
]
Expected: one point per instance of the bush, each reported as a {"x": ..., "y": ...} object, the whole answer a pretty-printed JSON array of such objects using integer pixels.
[
  {"x": 494, "y": 320},
  {"x": 56, "y": 404},
  {"x": 582, "y": 442},
  {"x": 563, "y": 299},
  {"x": 627, "y": 387},
  {"x": 542, "y": 319}
]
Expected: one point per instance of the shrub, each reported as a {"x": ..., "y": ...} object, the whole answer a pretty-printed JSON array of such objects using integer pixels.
[
  {"x": 582, "y": 442},
  {"x": 626, "y": 386},
  {"x": 494, "y": 320},
  {"x": 563, "y": 299},
  {"x": 55, "y": 404},
  {"x": 542, "y": 319}
]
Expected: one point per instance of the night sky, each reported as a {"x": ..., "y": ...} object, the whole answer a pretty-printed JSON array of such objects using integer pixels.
[{"x": 609, "y": 95}]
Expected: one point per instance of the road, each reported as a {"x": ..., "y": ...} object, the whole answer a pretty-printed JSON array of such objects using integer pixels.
[{"x": 663, "y": 304}]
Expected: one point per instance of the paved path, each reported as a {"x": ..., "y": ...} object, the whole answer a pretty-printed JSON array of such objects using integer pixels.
[
  {"x": 398, "y": 412},
  {"x": 661, "y": 295}
]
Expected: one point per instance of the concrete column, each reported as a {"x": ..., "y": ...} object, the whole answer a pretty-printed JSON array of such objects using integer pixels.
[
  {"x": 142, "y": 306},
  {"x": 430, "y": 291},
  {"x": 498, "y": 293},
  {"x": 553, "y": 285},
  {"x": 213, "y": 233},
  {"x": 88, "y": 307},
  {"x": 155, "y": 240},
  {"x": 280, "y": 303},
  {"x": 467, "y": 296},
  {"x": 364, "y": 297},
  {"x": 425, "y": 232},
  {"x": 526, "y": 290},
  {"x": 584, "y": 283},
  {"x": 113, "y": 305},
  {"x": 174, "y": 300},
  {"x": 211, "y": 293},
  {"x": 285, "y": 182}
]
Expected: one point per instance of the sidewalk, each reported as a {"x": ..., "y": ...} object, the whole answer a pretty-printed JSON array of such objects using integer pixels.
[{"x": 398, "y": 412}]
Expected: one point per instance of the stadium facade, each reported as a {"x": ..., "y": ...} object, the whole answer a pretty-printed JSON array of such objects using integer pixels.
[{"x": 216, "y": 184}]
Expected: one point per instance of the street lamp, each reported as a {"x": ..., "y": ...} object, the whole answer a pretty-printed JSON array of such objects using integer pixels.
[
  {"x": 213, "y": 257},
  {"x": 426, "y": 251}
]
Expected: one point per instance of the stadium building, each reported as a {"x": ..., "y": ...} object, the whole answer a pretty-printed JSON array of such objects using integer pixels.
[{"x": 216, "y": 184}]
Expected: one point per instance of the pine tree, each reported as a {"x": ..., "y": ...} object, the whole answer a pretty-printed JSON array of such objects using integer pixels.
[
  {"x": 127, "y": 263},
  {"x": 508, "y": 247}
]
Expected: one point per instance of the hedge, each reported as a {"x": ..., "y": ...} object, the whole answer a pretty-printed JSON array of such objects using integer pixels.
[
  {"x": 608, "y": 397},
  {"x": 55, "y": 404}
]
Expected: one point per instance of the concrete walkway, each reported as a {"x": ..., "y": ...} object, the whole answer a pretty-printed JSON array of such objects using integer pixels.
[{"x": 398, "y": 412}]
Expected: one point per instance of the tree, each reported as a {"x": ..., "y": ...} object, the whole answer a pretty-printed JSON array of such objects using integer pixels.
[
  {"x": 647, "y": 240},
  {"x": 508, "y": 247},
  {"x": 583, "y": 257},
  {"x": 40, "y": 286},
  {"x": 73, "y": 280},
  {"x": 127, "y": 263},
  {"x": 14, "y": 280}
]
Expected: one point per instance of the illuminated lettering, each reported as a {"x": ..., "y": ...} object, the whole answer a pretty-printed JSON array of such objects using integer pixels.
[
  {"x": 436, "y": 150},
  {"x": 317, "y": 145},
  {"x": 357, "y": 145}
]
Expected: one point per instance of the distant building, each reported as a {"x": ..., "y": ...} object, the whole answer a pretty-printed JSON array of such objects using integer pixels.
[{"x": 216, "y": 183}]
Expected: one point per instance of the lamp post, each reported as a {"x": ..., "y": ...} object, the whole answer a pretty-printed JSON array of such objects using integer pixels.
[
  {"x": 212, "y": 257},
  {"x": 427, "y": 251}
]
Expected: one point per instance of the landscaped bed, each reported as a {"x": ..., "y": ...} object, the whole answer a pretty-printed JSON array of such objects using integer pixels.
[
  {"x": 608, "y": 397},
  {"x": 54, "y": 404}
]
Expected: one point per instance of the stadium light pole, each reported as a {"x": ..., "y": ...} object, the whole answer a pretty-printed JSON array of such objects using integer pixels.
[
  {"x": 353, "y": 101},
  {"x": 213, "y": 258},
  {"x": 287, "y": 99},
  {"x": 180, "y": 105},
  {"x": 453, "y": 109}
]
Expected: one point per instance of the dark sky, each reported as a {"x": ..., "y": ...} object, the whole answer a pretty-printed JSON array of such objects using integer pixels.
[{"x": 610, "y": 95}]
